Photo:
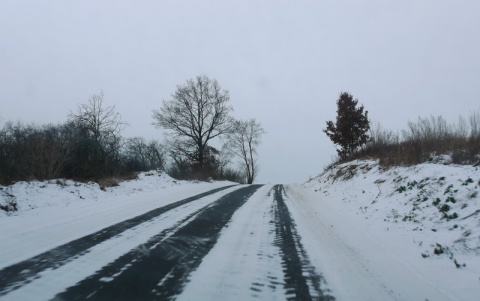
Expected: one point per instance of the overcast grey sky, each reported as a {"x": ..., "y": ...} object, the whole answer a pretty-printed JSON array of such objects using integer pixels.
[{"x": 284, "y": 63}]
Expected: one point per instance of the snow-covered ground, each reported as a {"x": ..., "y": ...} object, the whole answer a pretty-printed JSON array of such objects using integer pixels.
[
  {"x": 413, "y": 229},
  {"x": 244, "y": 263},
  {"x": 405, "y": 233},
  {"x": 51, "y": 213}
]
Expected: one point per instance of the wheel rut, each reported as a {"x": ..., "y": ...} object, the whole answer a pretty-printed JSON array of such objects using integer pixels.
[
  {"x": 160, "y": 268},
  {"x": 24, "y": 272},
  {"x": 301, "y": 281}
]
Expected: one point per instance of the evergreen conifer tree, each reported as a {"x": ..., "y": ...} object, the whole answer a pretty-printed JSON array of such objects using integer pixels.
[{"x": 350, "y": 130}]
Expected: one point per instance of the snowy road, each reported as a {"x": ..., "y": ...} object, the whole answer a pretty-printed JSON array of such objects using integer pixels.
[{"x": 260, "y": 242}]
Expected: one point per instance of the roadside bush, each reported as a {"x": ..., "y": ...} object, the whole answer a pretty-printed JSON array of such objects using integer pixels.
[
  {"x": 10, "y": 203},
  {"x": 139, "y": 155},
  {"x": 230, "y": 174},
  {"x": 89, "y": 147},
  {"x": 423, "y": 141},
  {"x": 31, "y": 152}
]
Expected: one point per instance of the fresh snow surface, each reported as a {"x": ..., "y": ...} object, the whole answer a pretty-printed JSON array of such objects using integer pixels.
[
  {"x": 371, "y": 234},
  {"x": 391, "y": 229},
  {"x": 244, "y": 264},
  {"x": 56, "y": 280},
  {"x": 52, "y": 213}
]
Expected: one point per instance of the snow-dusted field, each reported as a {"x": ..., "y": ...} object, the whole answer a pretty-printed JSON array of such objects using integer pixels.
[{"x": 358, "y": 233}]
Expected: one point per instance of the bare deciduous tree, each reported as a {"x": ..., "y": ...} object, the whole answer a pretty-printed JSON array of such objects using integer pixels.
[
  {"x": 102, "y": 122},
  {"x": 243, "y": 141},
  {"x": 197, "y": 113},
  {"x": 140, "y": 155},
  {"x": 49, "y": 151},
  {"x": 103, "y": 126}
]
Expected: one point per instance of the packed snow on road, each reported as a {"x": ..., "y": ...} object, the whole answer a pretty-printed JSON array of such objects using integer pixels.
[{"x": 355, "y": 232}]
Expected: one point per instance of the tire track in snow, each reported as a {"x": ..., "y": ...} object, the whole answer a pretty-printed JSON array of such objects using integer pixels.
[
  {"x": 161, "y": 270},
  {"x": 302, "y": 282},
  {"x": 244, "y": 264},
  {"x": 19, "y": 274},
  {"x": 259, "y": 256}
]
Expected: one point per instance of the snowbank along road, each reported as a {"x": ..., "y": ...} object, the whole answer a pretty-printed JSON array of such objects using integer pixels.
[{"x": 241, "y": 242}]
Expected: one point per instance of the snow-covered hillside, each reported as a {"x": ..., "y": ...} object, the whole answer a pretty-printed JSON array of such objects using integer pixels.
[
  {"x": 360, "y": 232},
  {"x": 39, "y": 195},
  {"x": 428, "y": 214},
  {"x": 26, "y": 196},
  {"x": 50, "y": 213}
]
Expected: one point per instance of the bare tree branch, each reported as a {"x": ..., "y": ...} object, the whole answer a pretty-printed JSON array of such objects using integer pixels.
[
  {"x": 243, "y": 141},
  {"x": 103, "y": 125},
  {"x": 197, "y": 113}
]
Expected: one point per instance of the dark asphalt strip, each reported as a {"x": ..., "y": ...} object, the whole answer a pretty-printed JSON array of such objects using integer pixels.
[
  {"x": 17, "y": 275},
  {"x": 159, "y": 269},
  {"x": 299, "y": 273}
]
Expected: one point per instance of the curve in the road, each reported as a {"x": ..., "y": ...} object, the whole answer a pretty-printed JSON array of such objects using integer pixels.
[{"x": 19, "y": 274}]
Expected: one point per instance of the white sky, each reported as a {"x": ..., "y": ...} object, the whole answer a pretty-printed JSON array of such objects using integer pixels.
[{"x": 284, "y": 63}]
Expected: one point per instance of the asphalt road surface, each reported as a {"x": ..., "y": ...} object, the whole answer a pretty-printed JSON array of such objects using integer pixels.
[{"x": 231, "y": 243}]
